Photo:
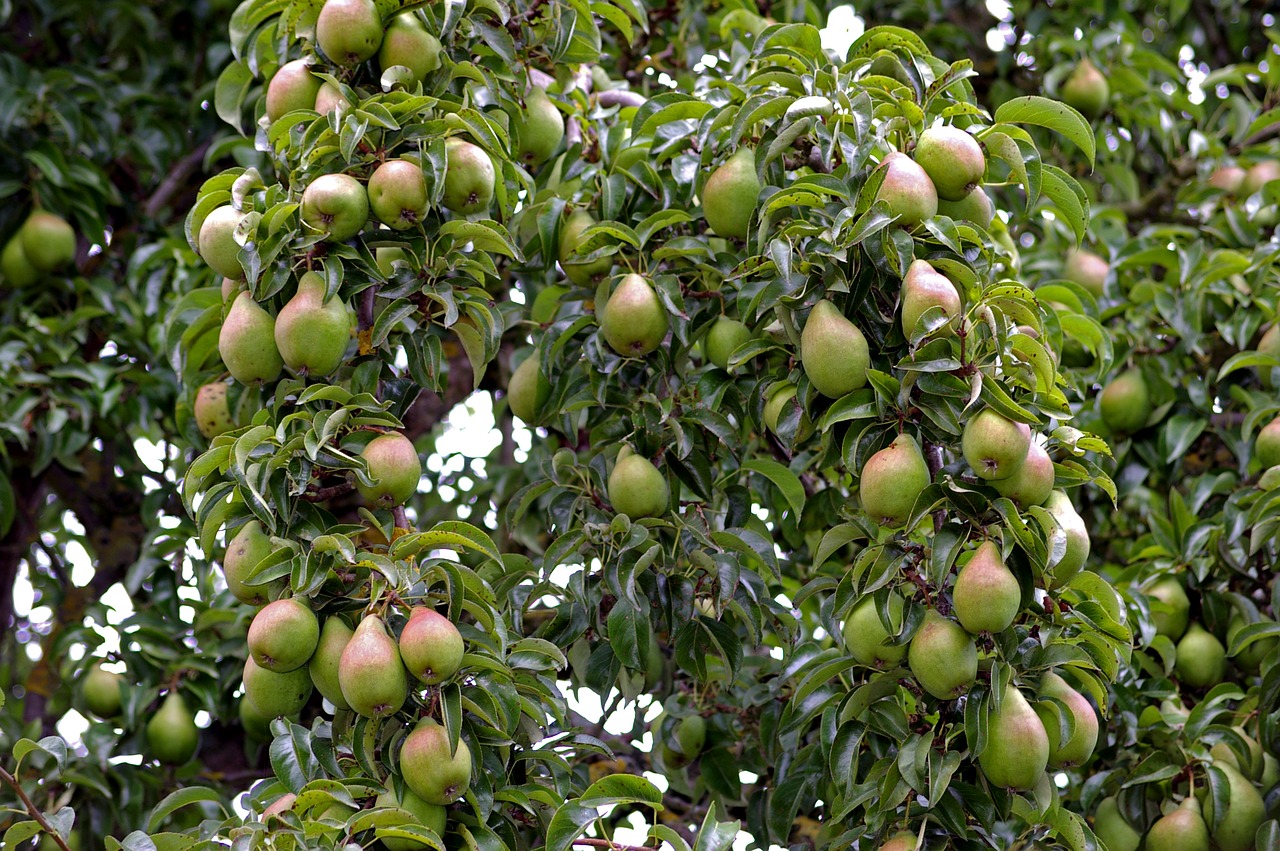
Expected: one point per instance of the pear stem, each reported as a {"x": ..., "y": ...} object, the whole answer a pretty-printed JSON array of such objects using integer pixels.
[{"x": 34, "y": 811}]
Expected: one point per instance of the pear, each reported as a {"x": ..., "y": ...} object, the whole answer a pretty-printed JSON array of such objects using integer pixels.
[
  {"x": 394, "y": 467},
  {"x": 407, "y": 43},
  {"x": 538, "y": 129},
  {"x": 907, "y": 190},
  {"x": 245, "y": 552},
  {"x": 976, "y": 207},
  {"x": 1244, "y": 814},
  {"x": 528, "y": 389},
  {"x": 986, "y": 597},
  {"x": 14, "y": 265},
  {"x": 1253, "y": 765},
  {"x": 276, "y": 695},
  {"x": 217, "y": 244},
  {"x": 335, "y": 205},
  {"x": 1077, "y": 749},
  {"x": 172, "y": 734},
  {"x": 691, "y": 735},
  {"x": 212, "y": 413},
  {"x": 292, "y": 88},
  {"x": 1017, "y": 750},
  {"x": 1086, "y": 269},
  {"x": 730, "y": 194},
  {"x": 637, "y": 488},
  {"x": 48, "y": 242},
  {"x": 431, "y": 646},
  {"x": 468, "y": 178},
  {"x": 1086, "y": 90},
  {"x": 994, "y": 446},
  {"x": 398, "y": 194},
  {"x": 1270, "y": 479},
  {"x": 780, "y": 396},
  {"x": 329, "y": 98},
  {"x": 582, "y": 274},
  {"x": 283, "y": 635},
  {"x": 546, "y": 304},
  {"x": 1266, "y": 445},
  {"x": 323, "y": 667},
  {"x": 1078, "y": 544},
  {"x": 247, "y": 342},
  {"x": 943, "y": 658},
  {"x": 430, "y": 770},
  {"x": 1251, "y": 657},
  {"x": 924, "y": 287},
  {"x": 865, "y": 635},
  {"x": 1258, "y": 176},
  {"x": 633, "y": 320},
  {"x": 386, "y": 258},
  {"x": 1269, "y": 344},
  {"x": 311, "y": 334},
  {"x": 1201, "y": 660},
  {"x": 953, "y": 159},
  {"x": 1227, "y": 178},
  {"x": 1033, "y": 482},
  {"x": 255, "y": 724},
  {"x": 370, "y": 672},
  {"x": 349, "y": 31},
  {"x": 1125, "y": 403},
  {"x": 101, "y": 691},
  {"x": 1172, "y": 622},
  {"x": 902, "y": 841},
  {"x": 1110, "y": 826},
  {"x": 431, "y": 816},
  {"x": 723, "y": 338},
  {"x": 1181, "y": 830},
  {"x": 833, "y": 351},
  {"x": 230, "y": 289},
  {"x": 892, "y": 480}
]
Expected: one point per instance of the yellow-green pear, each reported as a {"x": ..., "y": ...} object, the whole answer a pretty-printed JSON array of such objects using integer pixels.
[
  {"x": 293, "y": 87},
  {"x": 1244, "y": 813},
  {"x": 217, "y": 244},
  {"x": 907, "y": 190},
  {"x": 943, "y": 658},
  {"x": 1125, "y": 403},
  {"x": 398, "y": 194},
  {"x": 924, "y": 287},
  {"x": 14, "y": 265},
  {"x": 833, "y": 351},
  {"x": 407, "y": 43},
  {"x": 247, "y": 342},
  {"x": 1227, "y": 178},
  {"x": 1086, "y": 269},
  {"x": 211, "y": 410},
  {"x": 902, "y": 841},
  {"x": 780, "y": 396},
  {"x": 329, "y": 98},
  {"x": 172, "y": 734},
  {"x": 431, "y": 646},
  {"x": 283, "y": 635},
  {"x": 244, "y": 553},
  {"x": 101, "y": 691},
  {"x": 311, "y": 334},
  {"x": 986, "y": 596},
  {"x": 581, "y": 273},
  {"x": 994, "y": 447},
  {"x": 723, "y": 338},
  {"x": 1110, "y": 826},
  {"x": 1258, "y": 176},
  {"x": 637, "y": 488},
  {"x": 335, "y": 205},
  {"x": 1201, "y": 660},
  {"x": 431, "y": 816},
  {"x": 1077, "y": 534},
  {"x": 975, "y": 207},
  {"x": 528, "y": 389},
  {"x": 431, "y": 770},
  {"x": 892, "y": 480},
  {"x": 1017, "y": 750},
  {"x": 370, "y": 672},
  {"x": 349, "y": 31},
  {"x": 276, "y": 695},
  {"x": 729, "y": 196},
  {"x": 953, "y": 159},
  {"x": 394, "y": 467},
  {"x": 1087, "y": 90},
  {"x": 633, "y": 320},
  {"x": 865, "y": 634},
  {"x": 537, "y": 129},
  {"x": 1032, "y": 483},
  {"x": 48, "y": 241},
  {"x": 323, "y": 667},
  {"x": 1183, "y": 829},
  {"x": 1174, "y": 612},
  {"x": 1077, "y": 749},
  {"x": 1266, "y": 445},
  {"x": 469, "y": 177}
]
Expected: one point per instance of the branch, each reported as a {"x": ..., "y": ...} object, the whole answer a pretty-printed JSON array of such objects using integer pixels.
[
  {"x": 326, "y": 494},
  {"x": 610, "y": 844},
  {"x": 35, "y": 813},
  {"x": 175, "y": 180},
  {"x": 620, "y": 97}
]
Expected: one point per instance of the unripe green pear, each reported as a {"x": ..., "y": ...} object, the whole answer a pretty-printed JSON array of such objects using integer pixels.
[
  {"x": 330, "y": 98},
  {"x": 468, "y": 178},
  {"x": 1270, "y": 771},
  {"x": 247, "y": 342},
  {"x": 1181, "y": 830},
  {"x": 1252, "y": 766},
  {"x": 386, "y": 258},
  {"x": 311, "y": 334},
  {"x": 408, "y": 44},
  {"x": 398, "y": 194},
  {"x": 1202, "y": 660},
  {"x": 335, "y": 205},
  {"x": 986, "y": 596},
  {"x": 1125, "y": 403},
  {"x": 730, "y": 193},
  {"x": 1087, "y": 90},
  {"x": 1244, "y": 814},
  {"x": 953, "y": 159},
  {"x": 212, "y": 412},
  {"x": 349, "y": 31},
  {"x": 431, "y": 772},
  {"x": 1258, "y": 176},
  {"x": 395, "y": 469},
  {"x": 244, "y": 553},
  {"x": 48, "y": 241},
  {"x": 781, "y": 395},
  {"x": 283, "y": 635},
  {"x": 1017, "y": 750},
  {"x": 1110, "y": 826},
  {"x": 994, "y": 446},
  {"x": 638, "y": 489},
  {"x": 276, "y": 695},
  {"x": 1079, "y": 747},
  {"x": 1269, "y": 344},
  {"x": 865, "y": 634},
  {"x": 431, "y": 816},
  {"x": 335, "y": 635},
  {"x": 101, "y": 691},
  {"x": 943, "y": 658},
  {"x": 582, "y": 274},
  {"x": 217, "y": 244},
  {"x": 691, "y": 735},
  {"x": 1227, "y": 178},
  {"x": 1173, "y": 621},
  {"x": 292, "y": 88},
  {"x": 924, "y": 287},
  {"x": 907, "y": 190},
  {"x": 256, "y": 725},
  {"x": 538, "y": 129},
  {"x": 1266, "y": 445},
  {"x": 370, "y": 671},
  {"x": 1078, "y": 544},
  {"x": 975, "y": 207},
  {"x": 892, "y": 480},
  {"x": 900, "y": 842},
  {"x": 633, "y": 320},
  {"x": 1032, "y": 483},
  {"x": 172, "y": 734},
  {"x": 833, "y": 351},
  {"x": 1251, "y": 657},
  {"x": 14, "y": 265},
  {"x": 1086, "y": 269},
  {"x": 723, "y": 338},
  {"x": 431, "y": 646},
  {"x": 528, "y": 389}
]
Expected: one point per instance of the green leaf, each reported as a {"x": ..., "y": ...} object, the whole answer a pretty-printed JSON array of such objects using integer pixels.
[
  {"x": 1053, "y": 115},
  {"x": 786, "y": 481},
  {"x": 621, "y": 789},
  {"x": 179, "y": 799}
]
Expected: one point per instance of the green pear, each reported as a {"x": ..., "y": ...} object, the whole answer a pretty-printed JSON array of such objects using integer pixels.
[
  {"x": 395, "y": 469},
  {"x": 386, "y": 258},
  {"x": 101, "y": 691},
  {"x": 865, "y": 634},
  {"x": 1032, "y": 483},
  {"x": 330, "y": 98},
  {"x": 780, "y": 396},
  {"x": 892, "y": 480},
  {"x": 1251, "y": 657},
  {"x": 1172, "y": 618},
  {"x": 247, "y": 342},
  {"x": 335, "y": 205},
  {"x": 924, "y": 287},
  {"x": 431, "y": 646},
  {"x": 1110, "y": 826},
  {"x": 370, "y": 671},
  {"x": 1017, "y": 750},
  {"x": 654, "y": 664},
  {"x": 212, "y": 412},
  {"x": 1072, "y": 525},
  {"x": 637, "y": 488},
  {"x": 311, "y": 334},
  {"x": 528, "y": 389},
  {"x": 1270, "y": 771},
  {"x": 833, "y": 351},
  {"x": 432, "y": 816},
  {"x": 538, "y": 129},
  {"x": 431, "y": 771},
  {"x": 14, "y": 265},
  {"x": 231, "y": 288},
  {"x": 582, "y": 274},
  {"x": 1125, "y": 403},
  {"x": 1201, "y": 660},
  {"x": 723, "y": 338},
  {"x": 217, "y": 244},
  {"x": 976, "y": 207},
  {"x": 283, "y": 635},
  {"x": 1079, "y": 747},
  {"x": 943, "y": 658},
  {"x": 48, "y": 242},
  {"x": 172, "y": 734},
  {"x": 986, "y": 596},
  {"x": 408, "y": 44},
  {"x": 1253, "y": 766},
  {"x": 953, "y": 159},
  {"x": 546, "y": 304},
  {"x": 900, "y": 842},
  {"x": 245, "y": 552},
  {"x": 633, "y": 320},
  {"x": 994, "y": 446},
  {"x": 398, "y": 194},
  {"x": 1266, "y": 445},
  {"x": 691, "y": 735},
  {"x": 1086, "y": 269},
  {"x": 469, "y": 177},
  {"x": 276, "y": 695},
  {"x": 292, "y": 88},
  {"x": 1181, "y": 830},
  {"x": 1258, "y": 176},
  {"x": 907, "y": 190},
  {"x": 730, "y": 194},
  {"x": 255, "y": 724},
  {"x": 323, "y": 667},
  {"x": 1086, "y": 90},
  {"x": 349, "y": 31},
  {"x": 1244, "y": 814},
  {"x": 1270, "y": 479},
  {"x": 1227, "y": 178},
  {"x": 1269, "y": 344}
]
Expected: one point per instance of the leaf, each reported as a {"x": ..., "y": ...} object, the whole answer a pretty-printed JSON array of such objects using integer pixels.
[
  {"x": 621, "y": 789},
  {"x": 786, "y": 481},
  {"x": 179, "y": 799},
  {"x": 1053, "y": 115},
  {"x": 569, "y": 823},
  {"x": 230, "y": 91}
]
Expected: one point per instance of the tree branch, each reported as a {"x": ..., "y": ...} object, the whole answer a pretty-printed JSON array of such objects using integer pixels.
[
  {"x": 33, "y": 810},
  {"x": 175, "y": 180}
]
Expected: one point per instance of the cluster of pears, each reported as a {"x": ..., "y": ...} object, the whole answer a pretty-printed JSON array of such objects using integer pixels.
[
  {"x": 44, "y": 244},
  {"x": 171, "y": 733},
  {"x": 1241, "y": 182}
]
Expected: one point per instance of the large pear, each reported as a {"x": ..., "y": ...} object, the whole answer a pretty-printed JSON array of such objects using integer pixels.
[
  {"x": 538, "y": 129},
  {"x": 349, "y": 31},
  {"x": 292, "y": 88},
  {"x": 244, "y": 553},
  {"x": 1078, "y": 545},
  {"x": 833, "y": 351},
  {"x": 1017, "y": 750},
  {"x": 48, "y": 241},
  {"x": 528, "y": 389},
  {"x": 335, "y": 205},
  {"x": 276, "y": 695},
  {"x": 1172, "y": 617},
  {"x": 212, "y": 413},
  {"x": 943, "y": 657},
  {"x": 907, "y": 190},
  {"x": 217, "y": 244},
  {"x": 323, "y": 667},
  {"x": 469, "y": 177},
  {"x": 729, "y": 196},
  {"x": 430, "y": 770},
  {"x": 1181, "y": 830},
  {"x": 394, "y": 467},
  {"x": 431, "y": 646},
  {"x": 1201, "y": 660},
  {"x": 953, "y": 159},
  {"x": 398, "y": 194},
  {"x": 247, "y": 342},
  {"x": 311, "y": 334},
  {"x": 924, "y": 287},
  {"x": 283, "y": 635},
  {"x": 994, "y": 446},
  {"x": 1244, "y": 814},
  {"x": 17, "y": 269},
  {"x": 581, "y": 273},
  {"x": 1031, "y": 483},
  {"x": 370, "y": 672},
  {"x": 408, "y": 44},
  {"x": 865, "y": 634},
  {"x": 1125, "y": 403},
  {"x": 1079, "y": 747},
  {"x": 1111, "y": 827},
  {"x": 637, "y": 488},
  {"x": 633, "y": 320},
  {"x": 986, "y": 596},
  {"x": 1087, "y": 90},
  {"x": 172, "y": 734},
  {"x": 892, "y": 480}
]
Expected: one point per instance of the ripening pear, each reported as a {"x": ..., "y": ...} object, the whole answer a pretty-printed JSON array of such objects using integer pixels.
[
  {"x": 311, "y": 334},
  {"x": 101, "y": 691},
  {"x": 1266, "y": 445},
  {"x": 212, "y": 412},
  {"x": 1173, "y": 620},
  {"x": 943, "y": 657},
  {"x": 433, "y": 773},
  {"x": 924, "y": 287},
  {"x": 1244, "y": 814},
  {"x": 468, "y": 178},
  {"x": 1251, "y": 657},
  {"x": 370, "y": 672},
  {"x": 537, "y": 129},
  {"x": 953, "y": 159},
  {"x": 216, "y": 242},
  {"x": 335, "y": 205},
  {"x": 1078, "y": 544},
  {"x": 398, "y": 194},
  {"x": 1086, "y": 269},
  {"x": 14, "y": 265},
  {"x": 1227, "y": 178},
  {"x": 349, "y": 31},
  {"x": 1110, "y": 826},
  {"x": 276, "y": 695},
  {"x": 1077, "y": 749},
  {"x": 582, "y": 274},
  {"x": 247, "y": 342},
  {"x": 172, "y": 734},
  {"x": 1125, "y": 402},
  {"x": 283, "y": 635},
  {"x": 900, "y": 842},
  {"x": 431, "y": 646},
  {"x": 833, "y": 351},
  {"x": 244, "y": 553},
  {"x": 528, "y": 389},
  {"x": 892, "y": 480},
  {"x": 323, "y": 667},
  {"x": 633, "y": 320},
  {"x": 1258, "y": 176},
  {"x": 865, "y": 634},
  {"x": 293, "y": 87},
  {"x": 730, "y": 193},
  {"x": 432, "y": 816},
  {"x": 723, "y": 338},
  {"x": 394, "y": 467},
  {"x": 975, "y": 207},
  {"x": 48, "y": 241},
  {"x": 1202, "y": 660},
  {"x": 1087, "y": 90},
  {"x": 994, "y": 446},
  {"x": 1033, "y": 481},
  {"x": 986, "y": 596},
  {"x": 637, "y": 488},
  {"x": 1017, "y": 750},
  {"x": 329, "y": 98},
  {"x": 407, "y": 43},
  {"x": 907, "y": 190},
  {"x": 1181, "y": 830}
]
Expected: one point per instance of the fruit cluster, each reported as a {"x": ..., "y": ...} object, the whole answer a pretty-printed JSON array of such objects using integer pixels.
[{"x": 44, "y": 244}]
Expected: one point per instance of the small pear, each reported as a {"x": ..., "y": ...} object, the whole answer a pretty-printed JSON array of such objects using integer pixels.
[
  {"x": 976, "y": 207},
  {"x": 431, "y": 646},
  {"x": 833, "y": 351},
  {"x": 394, "y": 467},
  {"x": 101, "y": 691},
  {"x": 953, "y": 159},
  {"x": 276, "y": 695},
  {"x": 943, "y": 658},
  {"x": 900, "y": 842},
  {"x": 245, "y": 552},
  {"x": 48, "y": 241},
  {"x": 1125, "y": 403},
  {"x": 14, "y": 265},
  {"x": 1201, "y": 660},
  {"x": 1032, "y": 483},
  {"x": 1266, "y": 446},
  {"x": 311, "y": 334},
  {"x": 907, "y": 190},
  {"x": 1086, "y": 269},
  {"x": 1087, "y": 90},
  {"x": 212, "y": 413},
  {"x": 1181, "y": 830},
  {"x": 468, "y": 179},
  {"x": 370, "y": 672},
  {"x": 539, "y": 129},
  {"x": 349, "y": 31},
  {"x": 865, "y": 635},
  {"x": 1258, "y": 176},
  {"x": 1017, "y": 750},
  {"x": 633, "y": 320},
  {"x": 924, "y": 287},
  {"x": 1244, "y": 814},
  {"x": 782, "y": 396},
  {"x": 723, "y": 338},
  {"x": 408, "y": 44},
  {"x": 398, "y": 194},
  {"x": 247, "y": 342},
  {"x": 528, "y": 389},
  {"x": 730, "y": 193},
  {"x": 637, "y": 488},
  {"x": 1269, "y": 344},
  {"x": 217, "y": 244},
  {"x": 431, "y": 816},
  {"x": 335, "y": 205},
  {"x": 892, "y": 480},
  {"x": 691, "y": 735},
  {"x": 986, "y": 596},
  {"x": 1111, "y": 827},
  {"x": 329, "y": 98},
  {"x": 172, "y": 734},
  {"x": 582, "y": 274},
  {"x": 323, "y": 667},
  {"x": 1079, "y": 747},
  {"x": 292, "y": 88},
  {"x": 1172, "y": 617},
  {"x": 994, "y": 446},
  {"x": 1227, "y": 178},
  {"x": 1078, "y": 544},
  {"x": 431, "y": 772},
  {"x": 283, "y": 635}
]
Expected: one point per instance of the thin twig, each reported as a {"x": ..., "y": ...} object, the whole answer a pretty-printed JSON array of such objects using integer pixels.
[
  {"x": 324, "y": 494},
  {"x": 610, "y": 844},
  {"x": 34, "y": 811}
]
